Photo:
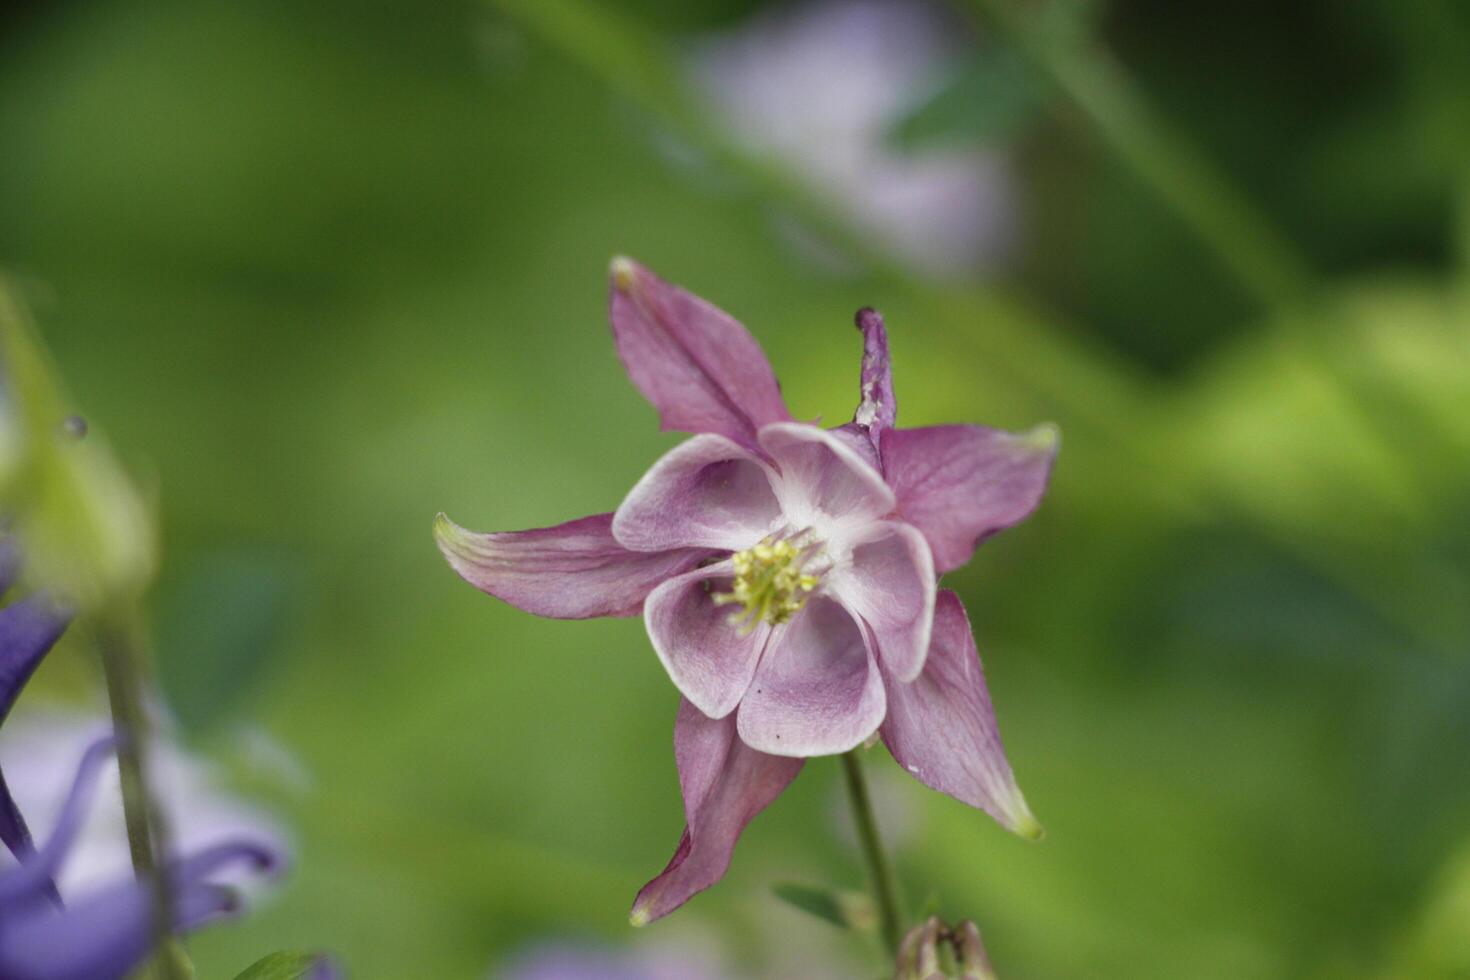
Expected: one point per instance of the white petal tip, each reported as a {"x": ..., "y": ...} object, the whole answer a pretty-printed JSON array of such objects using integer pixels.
[
  {"x": 1044, "y": 438},
  {"x": 638, "y": 918},
  {"x": 623, "y": 271},
  {"x": 1028, "y": 827}
]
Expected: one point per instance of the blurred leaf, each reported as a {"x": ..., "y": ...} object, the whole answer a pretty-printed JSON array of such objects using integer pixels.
[
  {"x": 845, "y": 910},
  {"x": 282, "y": 966},
  {"x": 218, "y": 633},
  {"x": 987, "y": 101}
]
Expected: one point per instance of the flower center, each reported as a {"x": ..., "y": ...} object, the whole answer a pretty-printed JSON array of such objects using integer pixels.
[{"x": 771, "y": 583}]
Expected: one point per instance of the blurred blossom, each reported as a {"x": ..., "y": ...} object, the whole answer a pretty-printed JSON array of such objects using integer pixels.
[
  {"x": 38, "y": 752},
  {"x": 922, "y": 954},
  {"x": 109, "y": 930},
  {"x": 566, "y": 960},
  {"x": 28, "y": 630},
  {"x": 820, "y": 85}
]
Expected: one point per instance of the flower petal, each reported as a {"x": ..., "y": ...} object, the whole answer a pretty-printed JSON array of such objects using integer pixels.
[
  {"x": 942, "y": 729},
  {"x": 823, "y": 480},
  {"x": 699, "y": 367},
  {"x": 818, "y": 690},
  {"x": 575, "y": 570},
  {"x": 709, "y": 660},
  {"x": 108, "y": 934},
  {"x": 14, "y": 833},
  {"x": 878, "y": 408},
  {"x": 706, "y": 492},
  {"x": 28, "y": 629},
  {"x": 962, "y": 483},
  {"x": 889, "y": 582},
  {"x": 725, "y": 783},
  {"x": 32, "y": 878}
]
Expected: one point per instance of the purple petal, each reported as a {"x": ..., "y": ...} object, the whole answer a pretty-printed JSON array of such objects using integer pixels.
[
  {"x": 889, "y": 583},
  {"x": 823, "y": 481},
  {"x": 942, "y": 729},
  {"x": 878, "y": 408},
  {"x": 706, "y": 492},
  {"x": 709, "y": 660},
  {"x": 818, "y": 690},
  {"x": 14, "y": 833},
  {"x": 107, "y": 935},
  {"x": 32, "y": 878},
  {"x": 28, "y": 629},
  {"x": 725, "y": 784},
  {"x": 962, "y": 483},
  {"x": 575, "y": 570},
  {"x": 699, "y": 367}
]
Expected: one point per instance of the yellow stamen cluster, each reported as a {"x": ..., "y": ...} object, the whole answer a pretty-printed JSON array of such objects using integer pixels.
[{"x": 769, "y": 584}]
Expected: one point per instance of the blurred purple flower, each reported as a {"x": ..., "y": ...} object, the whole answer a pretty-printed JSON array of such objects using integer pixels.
[
  {"x": 28, "y": 630},
  {"x": 827, "y": 543},
  {"x": 106, "y": 934},
  {"x": 192, "y": 799},
  {"x": 819, "y": 85},
  {"x": 567, "y": 961}
]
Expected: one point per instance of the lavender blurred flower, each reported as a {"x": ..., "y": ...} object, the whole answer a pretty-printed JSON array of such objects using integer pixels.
[
  {"x": 105, "y": 935},
  {"x": 28, "y": 630},
  {"x": 567, "y": 961},
  {"x": 826, "y": 543},
  {"x": 36, "y": 753},
  {"x": 819, "y": 85}
]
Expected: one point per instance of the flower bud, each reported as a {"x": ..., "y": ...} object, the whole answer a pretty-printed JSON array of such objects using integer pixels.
[{"x": 935, "y": 951}]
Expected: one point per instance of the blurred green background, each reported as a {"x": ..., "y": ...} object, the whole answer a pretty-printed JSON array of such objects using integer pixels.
[{"x": 322, "y": 270}]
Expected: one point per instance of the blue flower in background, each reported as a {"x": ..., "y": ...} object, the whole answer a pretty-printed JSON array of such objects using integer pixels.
[
  {"x": 28, "y": 629},
  {"x": 106, "y": 934}
]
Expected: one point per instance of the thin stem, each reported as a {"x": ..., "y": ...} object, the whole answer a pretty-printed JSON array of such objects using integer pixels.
[
  {"x": 885, "y": 886},
  {"x": 118, "y": 649},
  {"x": 1245, "y": 242}
]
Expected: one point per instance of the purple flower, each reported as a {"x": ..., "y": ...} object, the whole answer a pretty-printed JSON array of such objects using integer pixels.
[
  {"x": 786, "y": 574},
  {"x": 105, "y": 935},
  {"x": 28, "y": 629}
]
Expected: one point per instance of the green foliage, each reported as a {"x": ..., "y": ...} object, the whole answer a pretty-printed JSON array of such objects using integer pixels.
[{"x": 282, "y": 966}]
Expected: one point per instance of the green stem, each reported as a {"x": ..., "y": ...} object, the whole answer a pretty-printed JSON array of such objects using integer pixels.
[
  {"x": 885, "y": 886},
  {"x": 119, "y": 652},
  {"x": 1246, "y": 243}
]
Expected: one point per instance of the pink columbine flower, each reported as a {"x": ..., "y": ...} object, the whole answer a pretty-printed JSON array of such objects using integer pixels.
[{"x": 786, "y": 573}]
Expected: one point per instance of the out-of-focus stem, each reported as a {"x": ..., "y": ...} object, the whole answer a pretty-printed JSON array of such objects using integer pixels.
[
  {"x": 1223, "y": 219},
  {"x": 119, "y": 650},
  {"x": 880, "y": 870}
]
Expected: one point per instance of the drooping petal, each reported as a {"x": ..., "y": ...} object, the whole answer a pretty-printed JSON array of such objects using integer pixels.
[
  {"x": 706, "y": 492},
  {"x": 708, "y": 658},
  {"x": 942, "y": 728},
  {"x": 14, "y": 833},
  {"x": 818, "y": 690},
  {"x": 28, "y": 629},
  {"x": 962, "y": 483},
  {"x": 879, "y": 408},
  {"x": 889, "y": 582},
  {"x": 725, "y": 784},
  {"x": 31, "y": 880},
  {"x": 575, "y": 570},
  {"x": 699, "y": 367},
  {"x": 823, "y": 482}
]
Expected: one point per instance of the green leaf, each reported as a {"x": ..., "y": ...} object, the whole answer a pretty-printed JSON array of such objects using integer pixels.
[
  {"x": 845, "y": 910},
  {"x": 221, "y": 628},
  {"x": 282, "y": 966},
  {"x": 987, "y": 101}
]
